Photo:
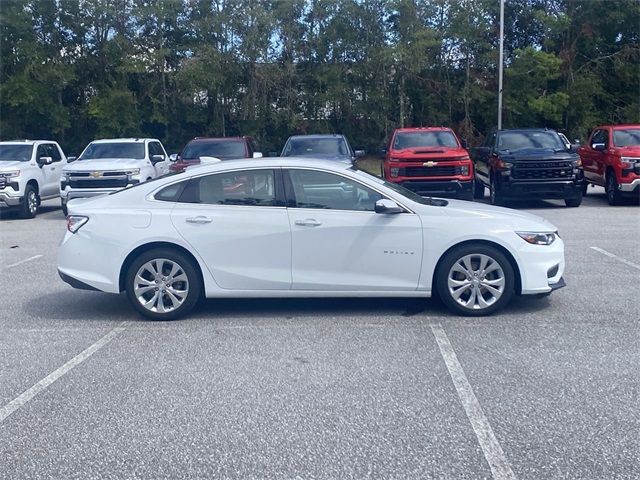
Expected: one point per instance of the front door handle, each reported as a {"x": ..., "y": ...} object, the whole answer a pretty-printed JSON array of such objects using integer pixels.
[
  {"x": 200, "y": 220},
  {"x": 308, "y": 222}
]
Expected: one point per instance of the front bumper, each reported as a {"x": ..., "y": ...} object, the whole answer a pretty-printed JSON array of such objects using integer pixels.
[
  {"x": 438, "y": 188},
  {"x": 541, "y": 267},
  {"x": 632, "y": 188},
  {"x": 557, "y": 189},
  {"x": 7, "y": 200}
]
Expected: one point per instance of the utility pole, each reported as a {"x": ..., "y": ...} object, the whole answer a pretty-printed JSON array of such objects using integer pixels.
[{"x": 500, "y": 67}]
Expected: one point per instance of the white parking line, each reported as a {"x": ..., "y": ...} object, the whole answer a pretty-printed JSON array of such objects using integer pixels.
[
  {"x": 620, "y": 259},
  {"x": 27, "y": 395},
  {"x": 500, "y": 468},
  {"x": 23, "y": 261}
]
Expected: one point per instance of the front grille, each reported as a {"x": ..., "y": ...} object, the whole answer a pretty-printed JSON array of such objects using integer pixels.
[
  {"x": 448, "y": 171},
  {"x": 91, "y": 183},
  {"x": 542, "y": 170}
]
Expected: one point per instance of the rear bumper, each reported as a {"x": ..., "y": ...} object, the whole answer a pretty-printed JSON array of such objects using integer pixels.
[
  {"x": 443, "y": 188},
  {"x": 75, "y": 283}
]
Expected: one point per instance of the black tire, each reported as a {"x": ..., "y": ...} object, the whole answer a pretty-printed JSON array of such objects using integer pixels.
[
  {"x": 584, "y": 188},
  {"x": 29, "y": 207},
  {"x": 457, "y": 254},
  {"x": 468, "y": 196},
  {"x": 611, "y": 189},
  {"x": 495, "y": 196},
  {"x": 478, "y": 189},
  {"x": 573, "y": 202},
  {"x": 193, "y": 282},
  {"x": 65, "y": 210}
]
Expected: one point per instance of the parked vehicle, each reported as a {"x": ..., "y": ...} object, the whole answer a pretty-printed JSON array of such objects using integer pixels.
[
  {"x": 302, "y": 228},
  {"x": 106, "y": 166},
  {"x": 324, "y": 147},
  {"x": 29, "y": 173},
  {"x": 221, "y": 148},
  {"x": 429, "y": 161},
  {"x": 611, "y": 159},
  {"x": 527, "y": 163}
]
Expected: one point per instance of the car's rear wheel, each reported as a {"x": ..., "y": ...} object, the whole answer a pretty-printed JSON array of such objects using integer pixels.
[
  {"x": 29, "y": 206},
  {"x": 163, "y": 284},
  {"x": 478, "y": 189},
  {"x": 495, "y": 196},
  {"x": 611, "y": 189},
  {"x": 475, "y": 280},
  {"x": 585, "y": 186}
]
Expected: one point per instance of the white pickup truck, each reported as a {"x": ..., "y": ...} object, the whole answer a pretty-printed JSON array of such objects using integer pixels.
[
  {"x": 29, "y": 173},
  {"x": 106, "y": 166}
]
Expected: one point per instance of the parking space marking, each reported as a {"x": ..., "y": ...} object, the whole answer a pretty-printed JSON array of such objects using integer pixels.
[
  {"x": 27, "y": 395},
  {"x": 23, "y": 261},
  {"x": 500, "y": 467},
  {"x": 620, "y": 259}
]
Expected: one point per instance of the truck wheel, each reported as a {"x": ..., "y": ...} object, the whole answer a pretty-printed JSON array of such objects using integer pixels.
[
  {"x": 496, "y": 198},
  {"x": 29, "y": 206},
  {"x": 584, "y": 188},
  {"x": 478, "y": 189},
  {"x": 163, "y": 284},
  {"x": 611, "y": 189},
  {"x": 65, "y": 210},
  {"x": 573, "y": 202},
  {"x": 475, "y": 280},
  {"x": 468, "y": 196}
]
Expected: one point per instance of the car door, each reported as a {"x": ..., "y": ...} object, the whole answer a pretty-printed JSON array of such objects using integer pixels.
[
  {"x": 481, "y": 159},
  {"x": 593, "y": 162},
  {"x": 238, "y": 224},
  {"x": 162, "y": 167},
  {"x": 339, "y": 243},
  {"x": 49, "y": 176}
]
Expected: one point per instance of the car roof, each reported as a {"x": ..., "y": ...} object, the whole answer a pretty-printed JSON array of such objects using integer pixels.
[
  {"x": 270, "y": 162},
  {"x": 25, "y": 142},
  {"x": 423, "y": 129},
  {"x": 218, "y": 139},
  {"x": 318, "y": 135},
  {"x": 124, "y": 140},
  {"x": 622, "y": 125},
  {"x": 526, "y": 130}
]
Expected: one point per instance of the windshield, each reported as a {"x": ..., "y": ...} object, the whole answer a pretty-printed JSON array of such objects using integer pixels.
[
  {"x": 223, "y": 150},
  {"x": 304, "y": 147},
  {"x": 626, "y": 138},
  {"x": 400, "y": 189},
  {"x": 113, "y": 150},
  {"x": 424, "y": 139},
  {"x": 524, "y": 140},
  {"x": 13, "y": 153}
]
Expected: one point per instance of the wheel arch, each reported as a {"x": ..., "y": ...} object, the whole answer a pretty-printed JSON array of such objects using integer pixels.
[
  {"x": 489, "y": 243},
  {"x": 35, "y": 184},
  {"x": 135, "y": 253}
]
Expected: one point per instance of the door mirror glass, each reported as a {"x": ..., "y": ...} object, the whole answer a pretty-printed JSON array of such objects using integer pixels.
[
  {"x": 173, "y": 157},
  {"x": 387, "y": 206},
  {"x": 157, "y": 158},
  {"x": 598, "y": 146},
  {"x": 45, "y": 161},
  {"x": 257, "y": 154}
]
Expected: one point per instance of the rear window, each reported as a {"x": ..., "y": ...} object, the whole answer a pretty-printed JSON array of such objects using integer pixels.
[
  {"x": 224, "y": 150},
  {"x": 424, "y": 139},
  {"x": 627, "y": 137},
  {"x": 246, "y": 187},
  {"x": 113, "y": 150}
]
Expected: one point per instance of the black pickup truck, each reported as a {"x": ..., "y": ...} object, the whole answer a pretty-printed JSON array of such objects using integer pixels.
[{"x": 525, "y": 164}]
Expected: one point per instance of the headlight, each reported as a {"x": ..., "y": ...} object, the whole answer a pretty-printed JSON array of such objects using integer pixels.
[
  {"x": 74, "y": 222},
  {"x": 11, "y": 174},
  {"x": 628, "y": 162},
  {"x": 537, "y": 238},
  {"x": 394, "y": 172},
  {"x": 135, "y": 171},
  {"x": 464, "y": 170}
]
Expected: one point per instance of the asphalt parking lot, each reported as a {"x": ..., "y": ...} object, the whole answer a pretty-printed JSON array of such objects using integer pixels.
[{"x": 325, "y": 388}]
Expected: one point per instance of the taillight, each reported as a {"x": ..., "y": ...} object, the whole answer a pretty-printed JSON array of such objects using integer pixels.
[{"x": 74, "y": 222}]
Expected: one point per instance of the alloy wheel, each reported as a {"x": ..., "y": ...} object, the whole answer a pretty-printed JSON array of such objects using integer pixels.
[
  {"x": 476, "y": 281},
  {"x": 32, "y": 202},
  {"x": 161, "y": 285}
]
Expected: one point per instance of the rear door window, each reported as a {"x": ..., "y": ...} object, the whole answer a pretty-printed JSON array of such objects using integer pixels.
[{"x": 242, "y": 187}]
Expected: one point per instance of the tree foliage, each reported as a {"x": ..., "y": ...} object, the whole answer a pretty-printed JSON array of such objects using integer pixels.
[{"x": 174, "y": 69}]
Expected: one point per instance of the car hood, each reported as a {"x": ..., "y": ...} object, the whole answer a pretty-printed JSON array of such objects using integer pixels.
[
  {"x": 536, "y": 154},
  {"x": 630, "y": 151},
  {"x": 429, "y": 152},
  {"x": 461, "y": 211},
  {"x": 104, "y": 164},
  {"x": 6, "y": 166}
]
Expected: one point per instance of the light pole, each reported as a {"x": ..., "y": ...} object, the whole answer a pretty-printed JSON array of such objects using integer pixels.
[{"x": 500, "y": 66}]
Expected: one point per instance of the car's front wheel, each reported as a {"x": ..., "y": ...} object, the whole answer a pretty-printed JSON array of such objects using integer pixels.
[
  {"x": 495, "y": 196},
  {"x": 611, "y": 189},
  {"x": 163, "y": 284},
  {"x": 478, "y": 189},
  {"x": 475, "y": 280}
]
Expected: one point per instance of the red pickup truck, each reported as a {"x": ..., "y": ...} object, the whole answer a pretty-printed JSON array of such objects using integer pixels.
[
  {"x": 611, "y": 159},
  {"x": 429, "y": 161}
]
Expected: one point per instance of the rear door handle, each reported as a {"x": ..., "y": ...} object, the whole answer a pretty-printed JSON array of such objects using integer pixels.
[
  {"x": 308, "y": 222},
  {"x": 200, "y": 220}
]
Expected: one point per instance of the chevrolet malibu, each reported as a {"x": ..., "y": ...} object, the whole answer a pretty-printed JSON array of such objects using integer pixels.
[{"x": 296, "y": 227}]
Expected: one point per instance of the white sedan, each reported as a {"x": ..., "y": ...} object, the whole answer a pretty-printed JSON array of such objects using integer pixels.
[{"x": 302, "y": 228}]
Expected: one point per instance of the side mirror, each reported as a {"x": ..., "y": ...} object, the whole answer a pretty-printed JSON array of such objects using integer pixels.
[
  {"x": 598, "y": 146},
  {"x": 71, "y": 159},
  {"x": 45, "y": 161},
  {"x": 464, "y": 143},
  {"x": 383, "y": 152},
  {"x": 257, "y": 154},
  {"x": 576, "y": 141},
  {"x": 388, "y": 207},
  {"x": 359, "y": 153},
  {"x": 157, "y": 158},
  {"x": 173, "y": 157}
]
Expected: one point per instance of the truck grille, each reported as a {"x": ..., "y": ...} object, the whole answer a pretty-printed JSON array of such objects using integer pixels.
[
  {"x": 105, "y": 180},
  {"x": 444, "y": 171},
  {"x": 542, "y": 170}
]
